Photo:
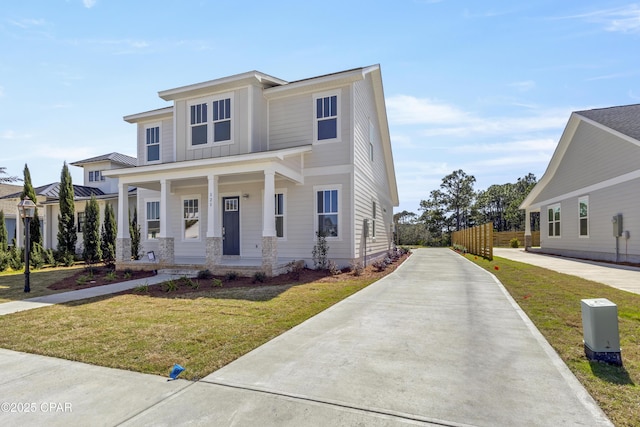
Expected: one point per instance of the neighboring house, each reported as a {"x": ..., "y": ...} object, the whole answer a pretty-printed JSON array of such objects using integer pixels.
[
  {"x": 242, "y": 171},
  {"x": 588, "y": 196},
  {"x": 9, "y": 209},
  {"x": 95, "y": 184}
]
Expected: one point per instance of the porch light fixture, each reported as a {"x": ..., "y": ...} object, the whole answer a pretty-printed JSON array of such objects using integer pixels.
[
  {"x": 245, "y": 196},
  {"x": 27, "y": 211}
]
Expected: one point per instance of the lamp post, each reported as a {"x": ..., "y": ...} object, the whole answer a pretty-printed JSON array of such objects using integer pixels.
[{"x": 27, "y": 210}]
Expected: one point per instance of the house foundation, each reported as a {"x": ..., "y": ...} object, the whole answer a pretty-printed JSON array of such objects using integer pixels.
[
  {"x": 166, "y": 250},
  {"x": 269, "y": 255}
]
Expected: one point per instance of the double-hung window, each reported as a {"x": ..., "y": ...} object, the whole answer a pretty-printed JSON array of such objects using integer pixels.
[
  {"x": 279, "y": 213},
  {"x": 327, "y": 123},
  {"x": 80, "y": 222},
  {"x": 327, "y": 212},
  {"x": 583, "y": 212},
  {"x": 152, "y": 139},
  {"x": 553, "y": 214},
  {"x": 191, "y": 219},
  {"x": 222, "y": 120},
  {"x": 153, "y": 219},
  {"x": 199, "y": 127},
  {"x": 95, "y": 176}
]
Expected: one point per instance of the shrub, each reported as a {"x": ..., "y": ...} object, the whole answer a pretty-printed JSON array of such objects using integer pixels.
[
  {"x": 170, "y": 286},
  {"x": 51, "y": 258},
  {"x": 67, "y": 258},
  {"x": 204, "y": 274},
  {"x": 216, "y": 283},
  {"x": 333, "y": 268},
  {"x": 319, "y": 252},
  {"x": 184, "y": 280},
  {"x": 127, "y": 273},
  {"x": 379, "y": 265},
  {"x": 36, "y": 256},
  {"x": 4, "y": 260},
  {"x": 111, "y": 276},
  {"x": 16, "y": 258},
  {"x": 82, "y": 280},
  {"x": 514, "y": 243},
  {"x": 294, "y": 268},
  {"x": 141, "y": 288},
  {"x": 259, "y": 276},
  {"x": 357, "y": 268},
  {"x": 231, "y": 275}
]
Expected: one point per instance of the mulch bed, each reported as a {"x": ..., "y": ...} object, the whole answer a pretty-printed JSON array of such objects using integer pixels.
[{"x": 186, "y": 286}]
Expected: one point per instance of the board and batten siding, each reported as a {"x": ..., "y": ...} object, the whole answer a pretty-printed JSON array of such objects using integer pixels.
[
  {"x": 370, "y": 179},
  {"x": 166, "y": 141},
  {"x": 600, "y": 244},
  {"x": 593, "y": 156}
]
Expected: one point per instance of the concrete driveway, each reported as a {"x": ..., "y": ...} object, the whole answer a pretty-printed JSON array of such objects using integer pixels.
[{"x": 438, "y": 342}]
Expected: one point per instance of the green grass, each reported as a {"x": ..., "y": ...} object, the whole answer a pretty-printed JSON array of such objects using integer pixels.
[
  {"x": 552, "y": 302},
  {"x": 202, "y": 331},
  {"x": 12, "y": 282}
]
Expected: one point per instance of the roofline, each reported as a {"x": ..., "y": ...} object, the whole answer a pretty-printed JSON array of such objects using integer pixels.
[
  {"x": 160, "y": 113},
  {"x": 96, "y": 160}
]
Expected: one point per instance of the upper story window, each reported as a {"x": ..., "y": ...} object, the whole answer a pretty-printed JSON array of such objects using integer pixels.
[
  {"x": 95, "y": 176},
  {"x": 553, "y": 213},
  {"x": 152, "y": 139},
  {"x": 199, "y": 128},
  {"x": 327, "y": 212},
  {"x": 583, "y": 212},
  {"x": 326, "y": 118},
  {"x": 211, "y": 120}
]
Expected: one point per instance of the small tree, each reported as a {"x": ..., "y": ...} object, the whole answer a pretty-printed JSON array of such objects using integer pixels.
[
  {"x": 4, "y": 237},
  {"x": 109, "y": 231},
  {"x": 91, "y": 234},
  {"x": 319, "y": 252},
  {"x": 67, "y": 236},
  {"x": 28, "y": 191},
  {"x": 134, "y": 233}
]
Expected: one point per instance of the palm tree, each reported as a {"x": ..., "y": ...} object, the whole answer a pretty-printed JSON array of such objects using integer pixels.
[{"x": 6, "y": 179}]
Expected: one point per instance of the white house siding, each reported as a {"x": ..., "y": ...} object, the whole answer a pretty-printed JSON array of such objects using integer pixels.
[
  {"x": 166, "y": 141},
  {"x": 370, "y": 180},
  {"x": 603, "y": 205},
  {"x": 593, "y": 156}
]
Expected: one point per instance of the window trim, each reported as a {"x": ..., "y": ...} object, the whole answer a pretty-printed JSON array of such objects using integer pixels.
[
  {"x": 554, "y": 221},
  {"x": 96, "y": 173},
  {"x": 338, "y": 94},
  {"x": 210, "y": 122},
  {"x": 80, "y": 224},
  {"x": 371, "y": 138},
  {"x": 147, "y": 145},
  {"x": 146, "y": 218},
  {"x": 374, "y": 209},
  {"x": 582, "y": 199},
  {"x": 283, "y": 192},
  {"x": 183, "y": 219},
  {"x": 329, "y": 187}
]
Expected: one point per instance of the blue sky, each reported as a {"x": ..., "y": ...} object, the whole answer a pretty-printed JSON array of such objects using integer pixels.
[{"x": 486, "y": 87}]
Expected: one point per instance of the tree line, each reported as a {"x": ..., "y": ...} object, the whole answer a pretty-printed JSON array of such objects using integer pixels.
[
  {"x": 456, "y": 205},
  {"x": 98, "y": 238}
]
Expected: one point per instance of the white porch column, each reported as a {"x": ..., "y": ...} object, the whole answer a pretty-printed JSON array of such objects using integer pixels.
[
  {"x": 269, "y": 207},
  {"x": 527, "y": 229},
  {"x": 165, "y": 242},
  {"x": 214, "y": 224},
  {"x": 123, "y": 239}
]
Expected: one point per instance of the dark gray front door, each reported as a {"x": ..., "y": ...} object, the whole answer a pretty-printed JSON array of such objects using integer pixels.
[{"x": 231, "y": 225}]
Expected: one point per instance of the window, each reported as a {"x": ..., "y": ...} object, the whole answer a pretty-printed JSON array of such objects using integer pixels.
[
  {"x": 153, "y": 219},
  {"x": 231, "y": 205},
  {"x": 95, "y": 176},
  {"x": 326, "y": 123},
  {"x": 373, "y": 221},
  {"x": 583, "y": 203},
  {"x": 191, "y": 218},
  {"x": 222, "y": 120},
  {"x": 327, "y": 211},
  {"x": 80, "y": 222},
  {"x": 279, "y": 214},
  {"x": 554, "y": 220},
  {"x": 153, "y": 143},
  {"x": 199, "y": 128}
]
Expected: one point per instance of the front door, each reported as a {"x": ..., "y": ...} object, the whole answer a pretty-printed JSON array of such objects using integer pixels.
[{"x": 231, "y": 225}]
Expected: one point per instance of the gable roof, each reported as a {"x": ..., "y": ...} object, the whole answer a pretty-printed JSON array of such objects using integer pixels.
[
  {"x": 121, "y": 159},
  {"x": 53, "y": 191},
  {"x": 622, "y": 121}
]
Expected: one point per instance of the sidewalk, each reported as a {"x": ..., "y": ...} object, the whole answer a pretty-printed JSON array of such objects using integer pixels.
[
  {"x": 618, "y": 276},
  {"x": 438, "y": 342}
]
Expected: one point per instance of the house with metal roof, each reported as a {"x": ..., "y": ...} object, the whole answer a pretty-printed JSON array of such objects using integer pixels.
[{"x": 588, "y": 198}]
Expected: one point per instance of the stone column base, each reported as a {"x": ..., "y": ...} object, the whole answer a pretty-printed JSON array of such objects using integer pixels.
[
  {"x": 269, "y": 254},
  {"x": 165, "y": 247},
  {"x": 527, "y": 241},
  {"x": 214, "y": 251},
  {"x": 123, "y": 249}
]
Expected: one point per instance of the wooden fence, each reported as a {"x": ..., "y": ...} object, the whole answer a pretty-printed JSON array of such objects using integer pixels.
[
  {"x": 477, "y": 240},
  {"x": 503, "y": 238}
]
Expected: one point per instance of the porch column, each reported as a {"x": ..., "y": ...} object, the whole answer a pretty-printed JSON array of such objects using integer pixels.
[
  {"x": 123, "y": 239},
  {"x": 269, "y": 235},
  {"x": 214, "y": 227},
  {"x": 527, "y": 229},
  {"x": 165, "y": 242}
]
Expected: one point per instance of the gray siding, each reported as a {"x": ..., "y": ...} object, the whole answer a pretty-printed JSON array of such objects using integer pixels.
[
  {"x": 290, "y": 122},
  {"x": 592, "y": 156}
]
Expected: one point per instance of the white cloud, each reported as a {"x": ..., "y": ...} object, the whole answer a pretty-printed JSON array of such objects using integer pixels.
[
  {"x": 405, "y": 109},
  {"x": 523, "y": 86},
  {"x": 547, "y": 145},
  {"x": 623, "y": 19},
  {"x": 64, "y": 153},
  {"x": 28, "y": 23},
  {"x": 89, "y": 3}
]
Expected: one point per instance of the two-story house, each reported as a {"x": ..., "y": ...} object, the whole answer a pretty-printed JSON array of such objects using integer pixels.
[{"x": 244, "y": 170}]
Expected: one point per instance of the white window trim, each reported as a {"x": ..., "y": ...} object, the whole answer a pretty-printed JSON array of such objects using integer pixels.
[
  {"x": 553, "y": 207},
  {"x": 146, "y": 219},
  {"x": 209, "y": 101},
  {"x": 374, "y": 218},
  {"x": 580, "y": 200},
  {"x": 371, "y": 139},
  {"x": 283, "y": 191},
  {"x": 338, "y": 138},
  {"x": 182, "y": 228},
  {"x": 144, "y": 137},
  {"x": 341, "y": 202}
]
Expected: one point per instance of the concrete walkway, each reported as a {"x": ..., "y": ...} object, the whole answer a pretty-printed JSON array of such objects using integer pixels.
[
  {"x": 618, "y": 276},
  {"x": 438, "y": 342},
  {"x": 96, "y": 291}
]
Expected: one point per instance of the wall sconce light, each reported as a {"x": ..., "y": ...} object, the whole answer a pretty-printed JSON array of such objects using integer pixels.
[{"x": 245, "y": 196}]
